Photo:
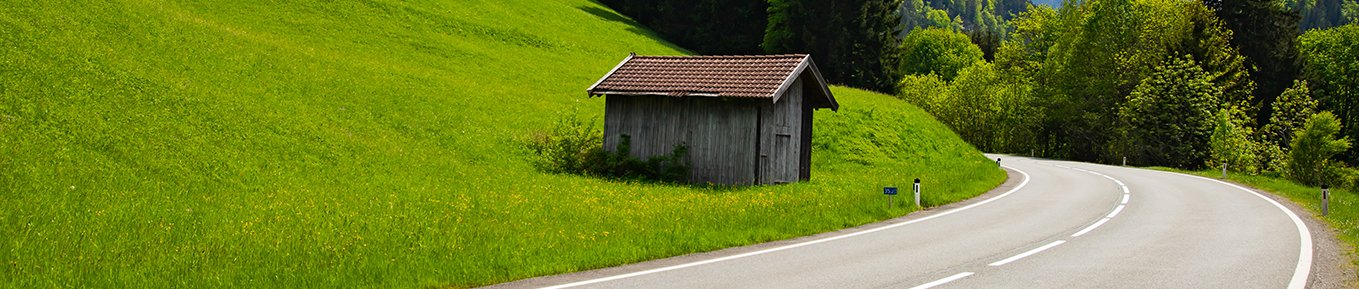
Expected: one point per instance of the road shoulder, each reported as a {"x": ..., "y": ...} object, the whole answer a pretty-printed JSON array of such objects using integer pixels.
[{"x": 1332, "y": 265}]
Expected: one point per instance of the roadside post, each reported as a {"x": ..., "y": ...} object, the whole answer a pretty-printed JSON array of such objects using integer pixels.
[
  {"x": 997, "y": 162},
  {"x": 889, "y": 191},
  {"x": 1224, "y": 170},
  {"x": 917, "y": 192},
  {"x": 1325, "y": 199},
  {"x": 1125, "y": 161}
]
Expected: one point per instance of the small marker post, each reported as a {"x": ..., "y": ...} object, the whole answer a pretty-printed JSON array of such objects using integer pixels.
[
  {"x": 997, "y": 162},
  {"x": 1125, "y": 161},
  {"x": 917, "y": 192},
  {"x": 1325, "y": 199},
  {"x": 889, "y": 191},
  {"x": 1224, "y": 170}
]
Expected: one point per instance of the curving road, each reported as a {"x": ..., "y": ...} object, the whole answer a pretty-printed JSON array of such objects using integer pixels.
[{"x": 1053, "y": 225}]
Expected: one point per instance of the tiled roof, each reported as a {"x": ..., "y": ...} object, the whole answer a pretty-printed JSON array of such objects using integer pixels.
[{"x": 749, "y": 76}]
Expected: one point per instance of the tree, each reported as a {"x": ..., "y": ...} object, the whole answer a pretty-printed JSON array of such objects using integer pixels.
[
  {"x": 1230, "y": 143},
  {"x": 1291, "y": 111},
  {"x": 1265, "y": 33},
  {"x": 1209, "y": 42},
  {"x": 1102, "y": 50},
  {"x": 1168, "y": 118},
  {"x": 1331, "y": 66},
  {"x": 990, "y": 109},
  {"x": 1023, "y": 53},
  {"x": 1320, "y": 14},
  {"x": 853, "y": 42},
  {"x": 937, "y": 51},
  {"x": 1313, "y": 147},
  {"x": 706, "y": 26}
]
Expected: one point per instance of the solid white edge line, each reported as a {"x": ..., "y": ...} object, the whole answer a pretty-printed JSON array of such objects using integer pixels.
[
  {"x": 1116, "y": 210},
  {"x": 1125, "y": 198},
  {"x": 1026, "y": 254},
  {"x": 1091, "y": 227},
  {"x": 1021, "y": 185},
  {"x": 955, "y": 277},
  {"x": 1304, "y": 268}
]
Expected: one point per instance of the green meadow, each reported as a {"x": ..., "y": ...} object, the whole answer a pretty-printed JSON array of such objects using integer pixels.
[{"x": 375, "y": 143}]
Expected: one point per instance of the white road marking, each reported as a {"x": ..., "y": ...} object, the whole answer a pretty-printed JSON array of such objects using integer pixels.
[
  {"x": 1026, "y": 254},
  {"x": 942, "y": 281},
  {"x": 1304, "y": 267},
  {"x": 1021, "y": 185},
  {"x": 1091, "y": 227},
  {"x": 1122, "y": 204},
  {"x": 1115, "y": 212}
]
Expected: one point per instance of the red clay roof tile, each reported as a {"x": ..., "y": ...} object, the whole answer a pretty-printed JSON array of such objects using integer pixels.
[{"x": 753, "y": 76}]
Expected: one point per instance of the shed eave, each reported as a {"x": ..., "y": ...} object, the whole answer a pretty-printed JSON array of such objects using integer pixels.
[{"x": 591, "y": 90}]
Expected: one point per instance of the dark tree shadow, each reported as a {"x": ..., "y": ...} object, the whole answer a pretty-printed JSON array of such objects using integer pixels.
[
  {"x": 607, "y": 15},
  {"x": 633, "y": 26}
]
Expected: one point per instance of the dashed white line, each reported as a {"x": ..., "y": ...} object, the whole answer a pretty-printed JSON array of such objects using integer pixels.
[
  {"x": 1026, "y": 254},
  {"x": 1091, "y": 227},
  {"x": 943, "y": 281}
]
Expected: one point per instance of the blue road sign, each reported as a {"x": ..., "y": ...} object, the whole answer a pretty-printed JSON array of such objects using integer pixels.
[{"x": 889, "y": 190}]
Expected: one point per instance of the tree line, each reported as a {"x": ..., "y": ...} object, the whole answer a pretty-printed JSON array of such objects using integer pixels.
[{"x": 1153, "y": 82}]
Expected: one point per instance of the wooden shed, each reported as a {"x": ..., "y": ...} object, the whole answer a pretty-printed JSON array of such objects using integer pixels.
[{"x": 745, "y": 119}]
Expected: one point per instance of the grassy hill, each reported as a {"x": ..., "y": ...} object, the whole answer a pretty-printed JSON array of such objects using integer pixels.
[{"x": 373, "y": 144}]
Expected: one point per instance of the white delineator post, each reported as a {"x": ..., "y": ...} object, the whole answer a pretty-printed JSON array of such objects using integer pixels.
[
  {"x": 1325, "y": 199},
  {"x": 917, "y": 192}
]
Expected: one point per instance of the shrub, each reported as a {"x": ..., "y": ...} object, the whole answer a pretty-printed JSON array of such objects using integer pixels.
[
  {"x": 1229, "y": 143},
  {"x": 574, "y": 146},
  {"x": 571, "y": 146},
  {"x": 1313, "y": 146}
]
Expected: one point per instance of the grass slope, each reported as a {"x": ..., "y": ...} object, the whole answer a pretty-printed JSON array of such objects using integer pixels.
[{"x": 372, "y": 144}]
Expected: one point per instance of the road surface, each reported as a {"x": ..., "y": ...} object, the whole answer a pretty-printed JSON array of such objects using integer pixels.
[{"x": 1055, "y": 225}]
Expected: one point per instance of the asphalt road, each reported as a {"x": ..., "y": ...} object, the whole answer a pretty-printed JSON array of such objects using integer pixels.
[{"x": 1053, "y": 225}]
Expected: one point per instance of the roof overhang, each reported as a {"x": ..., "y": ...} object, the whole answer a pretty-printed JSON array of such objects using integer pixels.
[{"x": 827, "y": 100}]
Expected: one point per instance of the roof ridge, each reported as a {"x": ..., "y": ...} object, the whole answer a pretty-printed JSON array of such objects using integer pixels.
[{"x": 726, "y": 56}]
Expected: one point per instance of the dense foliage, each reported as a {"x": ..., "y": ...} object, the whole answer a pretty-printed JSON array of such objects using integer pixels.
[
  {"x": 1230, "y": 143},
  {"x": 852, "y": 42},
  {"x": 1310, "y": 160},
  {"x": 982, "y": 20},
  {"x": 705, "y": 26},
  {"x": 1168, "y": 118},
  {"x": 1322, "y": 14},
  {"x": 1160, "y": 82},
  {"x": 1331, "y": 65},
  {"x": 938, "y": 51}
]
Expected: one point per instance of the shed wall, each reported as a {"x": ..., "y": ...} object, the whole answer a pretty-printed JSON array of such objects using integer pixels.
[
  {"x": 781, "y": 137},
  {"x": 718, "y": 132}
]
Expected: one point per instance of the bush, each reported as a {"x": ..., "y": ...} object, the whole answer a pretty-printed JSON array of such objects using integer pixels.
[
  {"x": 574, "y": 146},
  {"x": 1313, "y": 146},
  {"x": 1229, "y": 143},
  {"x": 571, "y": 146}
]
